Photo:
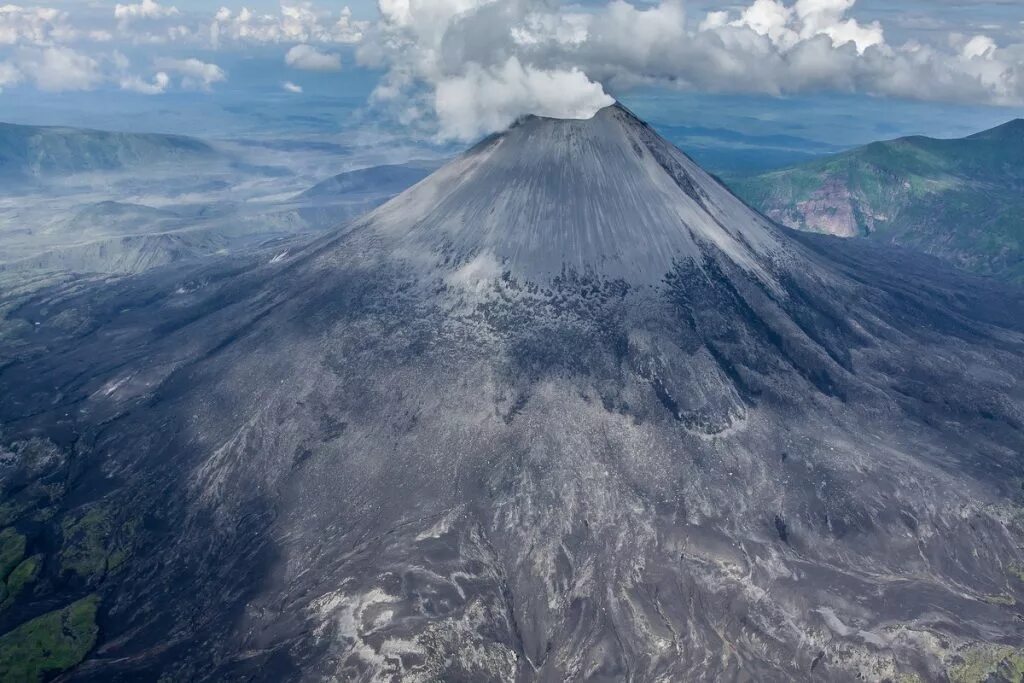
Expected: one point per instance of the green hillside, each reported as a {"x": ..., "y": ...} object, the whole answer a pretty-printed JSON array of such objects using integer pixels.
[{"x": 961, "y": 200}]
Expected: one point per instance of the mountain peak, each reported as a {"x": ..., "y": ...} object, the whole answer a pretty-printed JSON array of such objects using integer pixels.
[
  {"x": 1011, "y": 130},
  {"x": 602, "y": 112},
  {"x": 605, "y": 196}
]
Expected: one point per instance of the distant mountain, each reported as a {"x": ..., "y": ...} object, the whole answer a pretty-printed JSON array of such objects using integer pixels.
[
  {"x": 961, "y": 200},
  {"x": 119, "y": 238},
  {"x": 117, "y": 218},
  {"x": 36, "y": 151},
  {"x": 566, "y": 410},
  {"x": 118, "y": 255},
  {"x": 388, "y": 179},
  {"x": 349, "y": 195}
]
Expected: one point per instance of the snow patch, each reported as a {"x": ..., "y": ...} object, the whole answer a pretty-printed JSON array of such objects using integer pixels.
[{"x": 477, "y": 274}]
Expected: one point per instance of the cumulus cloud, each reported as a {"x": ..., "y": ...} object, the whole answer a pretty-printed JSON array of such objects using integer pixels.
[
  {"x": 980, "y": 46},
  {"x": 298, "y": 23},
  {"x": 194, "y": 74},
  {"x": 478, "y": 64},
  {"x": 505, "y": 58},
  {"x": 56, "y": 69},
  {"x": 157, "y": 86},
  {"x": 513, "y": 57},
  {"x": 149, "y": 22},
  {"x": 293, "y": 88},
  {"x": 34, "y": 25},
  {"x": 308, "y": 58},
  {"x": 9, "y": 75},
  {"x": 147, "y": 9}
]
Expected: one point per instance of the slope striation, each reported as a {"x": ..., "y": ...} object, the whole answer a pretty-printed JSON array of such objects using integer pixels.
[
  {"x": 565, "y": 410},
  {"x": 605, "y": 196}
]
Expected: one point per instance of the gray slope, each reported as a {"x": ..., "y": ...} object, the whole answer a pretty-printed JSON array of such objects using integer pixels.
[
  {"x": 360, "y": 463},
  {"x": 40, "y": 151},
  {"x": 388, "y": 179},
  {"x": 107, "y": 218},
  {"x": 606, "y": 195}
]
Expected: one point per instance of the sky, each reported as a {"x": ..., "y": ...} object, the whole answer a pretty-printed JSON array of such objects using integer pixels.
[{"x": 782, "y": 77}]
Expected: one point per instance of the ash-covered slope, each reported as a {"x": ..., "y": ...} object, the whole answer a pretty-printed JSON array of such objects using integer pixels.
[
  {"x": 389, "y": 180},
  {"x": 565, "y": 410},
  {"x": 606, "y": 196}
]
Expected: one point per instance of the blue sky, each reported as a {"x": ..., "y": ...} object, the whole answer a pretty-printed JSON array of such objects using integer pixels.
[{"x": 780, "y": 78}]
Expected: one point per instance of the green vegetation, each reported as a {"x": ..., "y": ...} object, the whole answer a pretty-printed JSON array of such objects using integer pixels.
[
  {"x": 116, "y": 559},
  {"x": 12, "y": 550},
  {"x": 22, "y": 576},
  {"x": 41, "y": 465},
  {"x": 94, "y": 543},
  {"x": 37, "y": 499},
  {"x": 51, "y": 643},
  {"x": 985, "y": 662},
  {"x": 908, "y": 678},
  {"x": 9, "y": 513},
  {"x": 960, "y": 200},
  {"x": 85, "y": 543},
  {"x": 1016, "y": 570}
]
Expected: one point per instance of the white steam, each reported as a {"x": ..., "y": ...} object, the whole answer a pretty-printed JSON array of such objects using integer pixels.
[
  {"x": 472, "y": 64},
  {"x": 486, "y": 99}
]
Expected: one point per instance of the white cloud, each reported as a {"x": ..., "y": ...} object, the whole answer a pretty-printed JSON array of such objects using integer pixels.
[
  {"x": 47, "y": 26},
  {"x": 308, "y": 58},
  {"x": 294, "y": 23},
  {"x": 828, "y": 17},
  {"x": 195, "y": 74},
  {"x": 769, "y": 18},
  {"x": 786, "y": 26},
  {"x": 33, "y": 25},
  {"x": 980, "y": 47},
  {"x": 55, "y": 69},
  {"x": 157, "y": 86},
  {"x": 9, "y": 75},
  {"x": 147, "y": 9},
  {"x": 502, "y": 54},
  {"x": 149, "y": 22},
  {"x": 429, "y": 49},
  {"x": 288, "y": 86},
  {"x": 714, "y": 20}
]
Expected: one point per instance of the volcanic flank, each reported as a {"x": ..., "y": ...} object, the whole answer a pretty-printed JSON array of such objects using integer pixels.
[
  {"x": 605, "y": 197},
  {"x": 565, "y": 409}
]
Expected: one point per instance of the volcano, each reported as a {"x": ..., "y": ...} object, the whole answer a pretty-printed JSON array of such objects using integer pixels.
[{"x": 566, "y": 409}]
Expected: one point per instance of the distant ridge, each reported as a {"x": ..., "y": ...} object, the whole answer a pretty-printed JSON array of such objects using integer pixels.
[
  {"x": 1009, "y": 131},
  {"x": 386, "y": 179},
  {"x": 961, "y": 199},
  {"x": 41, "y": 151}
]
